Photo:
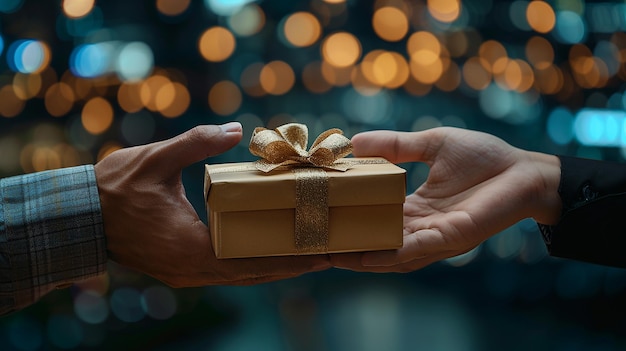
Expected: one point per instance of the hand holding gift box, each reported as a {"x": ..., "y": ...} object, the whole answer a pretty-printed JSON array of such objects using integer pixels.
[{"x": 294, "y": 201}]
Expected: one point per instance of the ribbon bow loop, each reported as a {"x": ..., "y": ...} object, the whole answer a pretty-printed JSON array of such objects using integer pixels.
[{"x": 287, "y": 145}]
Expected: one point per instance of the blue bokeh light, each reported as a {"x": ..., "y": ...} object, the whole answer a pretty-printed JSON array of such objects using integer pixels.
[
  {"x": 605, "y": 17},
  {"x": 92, "y": 60},
  {"x": 91, "y": 308},
  {"x": 1, "y": 44},
  {"x": 496, "y": 102},
  {"x": 570, "y": 27},
  {"x": 226, "y": 7},
  {"x": 373, "y": 110},
  {"x": 26, "y": 56},
  {"x": 507, "y": 245},
  {"x": 560, "y": 126},
  {"x": 596, "y": 127},
  {"x": 517, "y": 14},
  {"x": 10, "y": 6},
  {"x": 134, "y": 62},
  {"x": 126, "y": 305}
]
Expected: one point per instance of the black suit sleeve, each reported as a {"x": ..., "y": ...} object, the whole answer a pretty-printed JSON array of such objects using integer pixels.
[{"x": 592, "y": 227}]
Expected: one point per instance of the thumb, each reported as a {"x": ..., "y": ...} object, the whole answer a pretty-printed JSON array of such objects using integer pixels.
[
  {"x": 397, "y": 147},
  {"x": 199, "y": 143}
]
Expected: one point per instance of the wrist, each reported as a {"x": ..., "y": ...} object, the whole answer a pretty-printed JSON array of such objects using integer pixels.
[{"x": 548, "y": 205}]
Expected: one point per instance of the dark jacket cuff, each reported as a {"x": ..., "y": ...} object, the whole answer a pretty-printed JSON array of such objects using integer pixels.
[{"x": 593, "y": 195}]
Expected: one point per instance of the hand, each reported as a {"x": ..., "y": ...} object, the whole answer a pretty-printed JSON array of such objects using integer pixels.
[
  {"x": 477, "y": 186},
  {"x": 151, "y": 226}
]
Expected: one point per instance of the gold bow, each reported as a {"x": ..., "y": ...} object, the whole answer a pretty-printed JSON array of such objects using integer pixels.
[{"x": 287, "y": 144}]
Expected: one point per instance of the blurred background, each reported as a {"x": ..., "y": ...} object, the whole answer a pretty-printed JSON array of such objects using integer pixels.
[{"x": 82, "y": 78}]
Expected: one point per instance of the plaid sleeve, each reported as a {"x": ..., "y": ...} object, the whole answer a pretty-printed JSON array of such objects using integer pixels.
[{"x": 51, "y": 233}]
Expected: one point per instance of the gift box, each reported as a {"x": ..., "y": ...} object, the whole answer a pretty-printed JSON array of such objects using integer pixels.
[{"x": 286, "y": 207}]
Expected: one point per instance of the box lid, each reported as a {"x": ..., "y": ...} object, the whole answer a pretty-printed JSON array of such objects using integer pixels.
[{"x": 240, "y": 187}]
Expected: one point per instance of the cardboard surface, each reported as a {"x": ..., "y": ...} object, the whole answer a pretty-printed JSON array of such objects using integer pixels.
[{"x": 251, "y": 213}]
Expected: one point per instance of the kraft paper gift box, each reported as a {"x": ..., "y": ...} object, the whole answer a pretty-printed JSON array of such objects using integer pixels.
[{"x": 293, "y": 208}]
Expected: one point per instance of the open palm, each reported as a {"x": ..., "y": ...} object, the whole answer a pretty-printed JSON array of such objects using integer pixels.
[{"x": 477, "y": 186}]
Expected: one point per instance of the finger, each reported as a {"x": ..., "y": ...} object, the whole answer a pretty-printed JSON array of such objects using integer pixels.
[
  {"x": 259, "y": 280},
  {"x": 349, "y": 261},
  {"x": 410, "y": 266},
  {"x": 199, "y": 143},
  {"x": 256, "y": 269},
  {"x": 274, "y": 277},
  {"x": 397, "y": 147},
  {"x": 416, "y": 245}
]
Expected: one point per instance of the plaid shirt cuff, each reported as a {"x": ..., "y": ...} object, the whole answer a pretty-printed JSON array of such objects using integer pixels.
[{"x": 51, "y": 233}]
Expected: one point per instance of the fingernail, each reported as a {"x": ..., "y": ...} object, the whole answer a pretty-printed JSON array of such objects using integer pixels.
[{"x": 231, "y": 127}]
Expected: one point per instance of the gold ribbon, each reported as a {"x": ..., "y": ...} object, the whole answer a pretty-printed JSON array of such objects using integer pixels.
[
  {"x": 286, "y": 146},
  {"x": 311, "y": 213}
]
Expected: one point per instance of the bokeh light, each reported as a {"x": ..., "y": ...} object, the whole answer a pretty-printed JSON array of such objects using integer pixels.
[
  {"x": 539, "y": 52},
  {"x": 388, "y": 69},
  {"x": 337, "y": 76},
  {"x": 560, "y": 126},
  {"x": 251, "y": 79},
  {"x": 107, "y": 149},
  {"x": 341, "y": 49},
  {"x": 216, "y": 44},
  {"x": 444, "y": 10},
  {"x": 79, "y": 27},
  {"x": 11, "y": 105},
  {"x": 313, "y": 79},
  {"x": 540, "y": 16},
  {"x": 97, "y": 115},
  {"x": 600, "y": 127},
  {"x": 27, "y": 86},
  {"x": 570, "y": 28},
  {"x": 178, "y": 104},
  {"x": 28, "y": 56},
  {"x": 10, "y": 6},
  {"x": 90, "y": 307},
  {"x": 390, "y": 23},
  {"x": 126, "y": 305},
  {"x": 77, "y": 8},
  {"x": 425, "y": 64},
  {"x": 475, "y": 75},
  {"x": 248, "y": 21},
  {"x": 302, "y": 29},
  {"x": 129, "y": 96},
  {"x": 159, "y": 302},
  {"x": 225, "y": 98},
  {"x": 134, "y": 61},
  {"x": 226, "y": 7},
  {"x": 92, "y": 60},
  {"x": 277, "y": 78},
  {"x": 172, "y": 7}
]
